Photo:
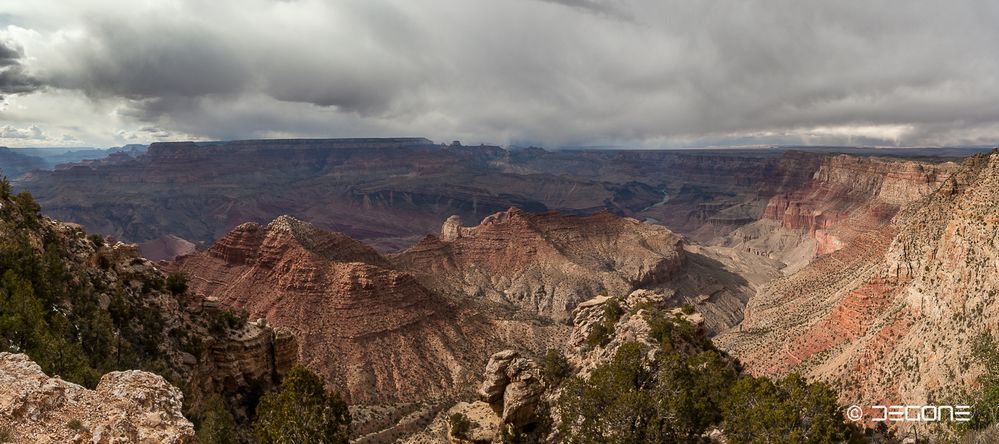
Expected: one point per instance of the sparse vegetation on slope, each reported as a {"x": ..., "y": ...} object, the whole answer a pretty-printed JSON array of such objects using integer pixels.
[
  {"x": 72, "y": 320},
  {"x": 680, "y": 389}
]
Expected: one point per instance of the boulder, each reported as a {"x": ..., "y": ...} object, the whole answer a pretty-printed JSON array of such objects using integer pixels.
[{"x": 126, "y": 407}]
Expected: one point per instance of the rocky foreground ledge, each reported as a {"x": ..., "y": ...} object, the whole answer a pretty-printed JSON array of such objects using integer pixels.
[{"x": 129, "y": 406}]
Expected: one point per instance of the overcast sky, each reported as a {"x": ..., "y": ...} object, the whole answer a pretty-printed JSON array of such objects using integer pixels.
[{"x": 554, "y": 73}]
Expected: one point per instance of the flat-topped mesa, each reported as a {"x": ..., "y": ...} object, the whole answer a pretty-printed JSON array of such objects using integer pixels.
[
  {"x": 169, "y": 149},
  {"x": 547, "y": 262}
]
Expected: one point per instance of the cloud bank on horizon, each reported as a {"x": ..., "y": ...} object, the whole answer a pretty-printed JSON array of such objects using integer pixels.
[{"x": 556, "y": 73}]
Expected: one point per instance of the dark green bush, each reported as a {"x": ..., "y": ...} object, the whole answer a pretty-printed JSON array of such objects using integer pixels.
[
  {"x": 555, "y": 368},
  {"x": 302, "y": 412},
  {"x": 460, "y": 425},
  {"x": 600, "y": 335},
  {"x": 97, "y": 240},
  {"x": 217, "y": 424},
  {"x": 76, "y": 425},
  {"x": 612, "y": 311},
  {"x": 176, "y": 283}
]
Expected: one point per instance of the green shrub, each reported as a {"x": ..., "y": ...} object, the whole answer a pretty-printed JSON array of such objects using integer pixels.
[
  {"x": 302, "y": 412},
  {"x": 217, "y": 424},
  {"x": 612, "y": 311},
  {"x": 677, "y": 399},
  {"x": 790, "y": 410},
  {"x": 672, "y": 331},
  {"x": 6, "y": 190},
  {"x": 221, "y": 321},
  {"x": 176, "y": 283},
  {"x": 50, "y": 311},
  {"x": 460, "y": 425},
  {"x": 97, "y": 240},
  {"x": 555, "y": 368},
  {"x": 76, "y": 425},
  {"x": 29, "y": 208},
  {"x": 985, "y": 351},
  {"x": 687, "y": 308},
  {"x": 600, "y": 335}
]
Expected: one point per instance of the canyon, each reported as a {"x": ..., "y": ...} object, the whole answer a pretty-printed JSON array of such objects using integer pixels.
[
  {"x": 356, "y": 258},
  {"x": 392, "y": 192},
  {"x": 890, "y": 317},
  {"x": 376, "y": 333},
  {"x": 415, "y": 324}
]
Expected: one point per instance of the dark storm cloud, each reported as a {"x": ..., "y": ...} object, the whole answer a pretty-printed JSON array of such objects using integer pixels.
[
  {"x": 152, "y": 60},
  {"x": 550, "y": 71},
  {"x": 13, "y": 78}
]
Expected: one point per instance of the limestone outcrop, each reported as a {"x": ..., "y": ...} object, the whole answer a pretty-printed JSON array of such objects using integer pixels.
[
  {"x": 512, "y": 385},
  {"x": 126, "y": 407}
]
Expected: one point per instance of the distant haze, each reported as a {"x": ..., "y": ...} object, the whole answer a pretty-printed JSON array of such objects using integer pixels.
[{"x": 554, "y": 73}]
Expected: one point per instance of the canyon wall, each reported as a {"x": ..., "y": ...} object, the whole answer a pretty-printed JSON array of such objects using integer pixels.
[
  {"x": 14, "y": 163},
  {"x": 392, "y": 192},
  {"x": 847, "y": 197},
  {"x": 889, "y": 318}
]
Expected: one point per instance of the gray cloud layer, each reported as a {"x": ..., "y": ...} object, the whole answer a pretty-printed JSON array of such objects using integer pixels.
[
  {"x": 554, "y": 72},
  {"x": 13, "y": 79}
]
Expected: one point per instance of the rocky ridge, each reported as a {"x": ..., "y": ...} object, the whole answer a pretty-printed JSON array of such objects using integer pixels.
[
  {"x": 375, "y": 333},
  {"x": 515, "y": 398},
  {"x": 131, "y": 320},
  {"x": 544, "y": 263},
  {"x": 128, "y": 406}
]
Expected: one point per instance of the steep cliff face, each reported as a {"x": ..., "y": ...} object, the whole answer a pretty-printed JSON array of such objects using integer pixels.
[
  {"x": 847, "y": 198},
  {"x": 240, "y": 365},
  {"x": 849, "y": 195},
  {"x": 376, "y": 333},
  {"x": 544, "y": 263},
  {"x": 129, "y": 406},
  {"x": 391, "y": 192},
  {"x": 889, "y": 318}
]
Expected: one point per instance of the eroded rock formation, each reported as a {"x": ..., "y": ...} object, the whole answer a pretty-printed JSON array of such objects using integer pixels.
[
  {"x": 376, "y": 333},
  {"x": 544, "y": 263},
  {"x": 889, "y": 318},
  {"x": 128, "y": 406},
  {"x": 848, "y": 197}
]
